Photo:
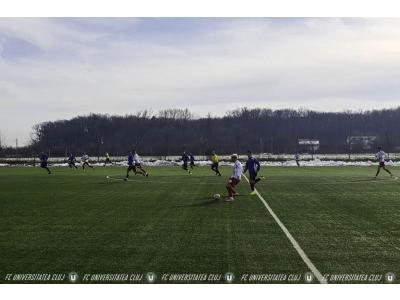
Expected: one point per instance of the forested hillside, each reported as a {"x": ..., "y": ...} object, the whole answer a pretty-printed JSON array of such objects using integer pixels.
[{"x": 172, "y": 131}]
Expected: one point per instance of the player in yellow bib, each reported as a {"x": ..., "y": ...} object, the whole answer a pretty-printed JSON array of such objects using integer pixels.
[{"x": 215, "y": 163}]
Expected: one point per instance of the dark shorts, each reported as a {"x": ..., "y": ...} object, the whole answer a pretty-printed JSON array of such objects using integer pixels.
[
  {"x": 214, "y": 165},
  {"x": 43, "y": 164},
  {"x": 132, "y": 167},
  {"x": 108, "y": 160},
  {"x": 252, "y": 176},
  {"x": 138, "y": 165},
  {"x": 382, "y": 164}
]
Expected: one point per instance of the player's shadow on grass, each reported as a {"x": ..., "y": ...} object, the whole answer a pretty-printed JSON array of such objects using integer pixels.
[
  {"x": 206, "y": 203},
  {"x": 366, "y": 180},
  {"x": 110, "y": 182}
]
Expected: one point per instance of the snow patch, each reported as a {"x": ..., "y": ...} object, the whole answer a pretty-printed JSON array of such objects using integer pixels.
[{"x": 207, "y": 163}]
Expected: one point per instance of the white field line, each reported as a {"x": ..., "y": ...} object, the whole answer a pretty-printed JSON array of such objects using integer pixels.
[{"x": 295, "y": 244}]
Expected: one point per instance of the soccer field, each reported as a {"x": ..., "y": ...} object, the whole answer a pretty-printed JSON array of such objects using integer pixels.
[{"x": 345, "y": 221}]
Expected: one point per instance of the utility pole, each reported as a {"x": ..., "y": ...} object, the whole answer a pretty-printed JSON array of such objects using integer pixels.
[{"x": 99, "y": 143}]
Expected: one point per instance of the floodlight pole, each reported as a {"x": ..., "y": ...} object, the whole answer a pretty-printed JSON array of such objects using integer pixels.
[{"x": 349, "y": 147}]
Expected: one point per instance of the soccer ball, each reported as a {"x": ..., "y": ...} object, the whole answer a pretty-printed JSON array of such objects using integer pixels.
[{"x": 216, "y": 196}]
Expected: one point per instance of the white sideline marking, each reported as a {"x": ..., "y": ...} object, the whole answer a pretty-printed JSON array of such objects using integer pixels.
[{"x": 295, "y": 244}]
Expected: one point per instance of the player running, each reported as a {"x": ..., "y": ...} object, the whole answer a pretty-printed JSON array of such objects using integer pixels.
[
  {"x": 138, "y": 165},
  {"x": 185, "y": 159},
  {"x": 107, "y": 160},
  {"x": 297, "y": 159},
  {"x": 44, "y": 162},
  {"x": 234, "y": 180},
  {"x": 72, "y": 161},
  {"x": 191, "y": 158},
  {"x": 253, "y": 165},
  {"x": 381, "y": 155},
  {"x": 215, "y": 163},
  {"x": 85, "y": 161},
  {"x": 131, "y": 165}
]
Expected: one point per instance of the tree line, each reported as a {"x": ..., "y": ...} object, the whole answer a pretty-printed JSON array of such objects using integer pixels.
[{"x": 171, "y": 131}]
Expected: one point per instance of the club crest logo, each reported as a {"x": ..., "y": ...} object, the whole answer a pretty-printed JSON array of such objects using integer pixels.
[
  {"x": 229, "y": 277},
  {"x": 390, "y": 277},
  {"x": 73, "y": 277},
  {"x": 151, "y": 277},
  {"x": 308, "y": 277}
]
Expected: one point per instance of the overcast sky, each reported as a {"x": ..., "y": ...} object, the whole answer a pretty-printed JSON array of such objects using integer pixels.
[{"x": 58, "y": 68}]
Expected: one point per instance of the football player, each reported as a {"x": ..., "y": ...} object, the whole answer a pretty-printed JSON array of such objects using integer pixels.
[
  {"x": 253, "y": 166},
  {"x": 381, "y": 155},
  {"x": 44, "y": 162},
  {"x": 234, "y": 180},
  {"x": 215, "y": 163}
]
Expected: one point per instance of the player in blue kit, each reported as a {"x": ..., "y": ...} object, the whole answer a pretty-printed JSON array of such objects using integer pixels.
[
  {"x": 297, "y": 159},
  {"x": 253, "y": 166},
  {"x": 185, "y": 158},
  {"x": 191, "y": 158},
  {"x": 43, "y": 162},
  {"x": 72, "y": 161},
  {"x": 131, "y": 165}
]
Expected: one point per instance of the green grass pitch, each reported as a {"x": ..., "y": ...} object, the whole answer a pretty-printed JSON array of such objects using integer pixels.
[{"x": 344, "y": 220}]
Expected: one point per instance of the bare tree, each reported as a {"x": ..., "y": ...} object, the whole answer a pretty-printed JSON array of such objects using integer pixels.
[{"x": 171, "y": 130}]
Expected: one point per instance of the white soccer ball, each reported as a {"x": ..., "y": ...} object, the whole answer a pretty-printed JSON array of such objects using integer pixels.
[{"x": 217, "y": 196}]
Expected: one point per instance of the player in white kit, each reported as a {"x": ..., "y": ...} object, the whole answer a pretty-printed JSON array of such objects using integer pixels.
[
  {"x": 138, "y": 165},
  {"x": 234, "y": 180},
  {"x": 381, "y": 155},
  {"x": 85, "y": 161}
]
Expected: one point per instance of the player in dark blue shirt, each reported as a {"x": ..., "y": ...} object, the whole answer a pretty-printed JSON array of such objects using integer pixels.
[
  {"x": 253, "y": 166},
  {"x": 131, "y": 165},
  {"x": 43, "y": 162},
  {"x": 72, "y": 161},
  {"x": 185, "y": 159},
  {"x": 191, "y": 158}
]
